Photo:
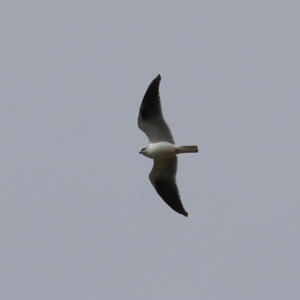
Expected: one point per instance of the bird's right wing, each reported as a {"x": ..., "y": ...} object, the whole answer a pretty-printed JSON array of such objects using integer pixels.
[
  {"x": 151, "y": 119},
  {"x": 163, "y": 178}
]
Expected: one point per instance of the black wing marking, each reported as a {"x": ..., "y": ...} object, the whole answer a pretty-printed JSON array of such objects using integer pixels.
[
  {"x": 163, "y": 178},
  {"x": 151, "y": 119}
]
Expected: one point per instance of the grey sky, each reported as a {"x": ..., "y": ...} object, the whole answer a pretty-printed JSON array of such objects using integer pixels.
[{"x": 79, "y": 218}]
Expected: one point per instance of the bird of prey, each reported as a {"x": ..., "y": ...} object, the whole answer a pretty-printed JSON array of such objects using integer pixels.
[{"x": 162, "y": 148}]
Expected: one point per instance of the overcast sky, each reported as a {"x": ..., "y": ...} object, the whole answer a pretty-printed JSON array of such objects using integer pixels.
[{"x": 79, "y": 218}]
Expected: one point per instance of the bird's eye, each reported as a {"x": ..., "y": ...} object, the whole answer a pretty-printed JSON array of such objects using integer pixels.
[{"x": 143, "y": 149}]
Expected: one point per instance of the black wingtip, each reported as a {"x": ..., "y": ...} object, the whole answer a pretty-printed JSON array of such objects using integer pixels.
[
  {"x": 156, "y": 81},
  {"x": 185, "y": 213}
]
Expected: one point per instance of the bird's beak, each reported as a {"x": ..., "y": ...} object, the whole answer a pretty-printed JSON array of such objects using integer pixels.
[{"x": 140, "y": 152}]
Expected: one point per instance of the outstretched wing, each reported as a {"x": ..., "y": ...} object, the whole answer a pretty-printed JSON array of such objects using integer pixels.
[
  {"x": 151, "y": 119},
  {"x": 163, "y": 178}
]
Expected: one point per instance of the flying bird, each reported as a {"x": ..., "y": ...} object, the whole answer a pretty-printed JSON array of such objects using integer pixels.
[{"x": 162, "y": 148}]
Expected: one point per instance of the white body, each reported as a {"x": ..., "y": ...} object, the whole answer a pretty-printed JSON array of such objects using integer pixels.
[
  {"x": 163, "y": 150},
  {"x": 159, "y": 150}
]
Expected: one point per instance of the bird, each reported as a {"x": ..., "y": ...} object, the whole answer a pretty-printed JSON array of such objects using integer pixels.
[{"x": 162, "y": 148}]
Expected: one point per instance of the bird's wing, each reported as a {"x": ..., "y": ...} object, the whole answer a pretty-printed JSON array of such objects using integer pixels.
[
  {"x": 162, "y": 177},
  {"x": 151, "y": 119}
]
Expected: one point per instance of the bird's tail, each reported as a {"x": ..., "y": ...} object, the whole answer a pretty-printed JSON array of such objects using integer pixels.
[{"x": 187, "y": 149}]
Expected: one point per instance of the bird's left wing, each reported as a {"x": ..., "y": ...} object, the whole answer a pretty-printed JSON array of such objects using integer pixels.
[
  {"x": 151, "y": 119},
  {"x": 163, "y": 178}
]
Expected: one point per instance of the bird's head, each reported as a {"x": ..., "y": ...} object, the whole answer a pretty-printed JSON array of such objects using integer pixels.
[{"x": 143, "y": 151}]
